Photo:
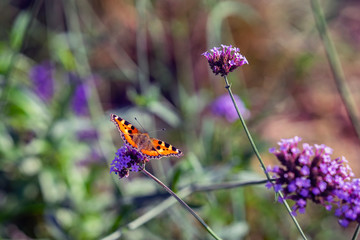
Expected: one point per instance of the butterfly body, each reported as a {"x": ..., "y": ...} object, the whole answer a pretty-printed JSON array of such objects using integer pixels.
[{"x": 148, "y": 146}]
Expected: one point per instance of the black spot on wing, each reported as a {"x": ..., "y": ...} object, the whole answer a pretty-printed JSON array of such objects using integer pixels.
[
  {"x": 158, "y": 147},
  {"x": 160, "y": 142},
  {"x": 167, "y": 145}
]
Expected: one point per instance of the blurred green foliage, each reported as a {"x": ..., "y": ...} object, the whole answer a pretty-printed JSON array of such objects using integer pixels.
[{"x": 143, "y": 59}]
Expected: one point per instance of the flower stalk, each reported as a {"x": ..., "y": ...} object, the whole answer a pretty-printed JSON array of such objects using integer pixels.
[
  {"x": 356, "y": 233},
  {"x": 223, "y": 60},
  {"x": 337, "y": 71},
  {"x": 128, "y": 159},
  {"x": 228, "y": 87},
  {"x": 183, "y": 193},
  {"x": 201, "y": 221},
  {"x": 335, "y": 66}
]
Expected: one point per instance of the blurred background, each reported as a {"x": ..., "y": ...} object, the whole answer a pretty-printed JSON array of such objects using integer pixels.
[{"x": 65, "y": 66}]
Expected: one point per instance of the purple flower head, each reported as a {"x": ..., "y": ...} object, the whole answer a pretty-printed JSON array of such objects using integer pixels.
[
  {"x": 223, "y": 106},
  {"x": 224, "y": 59},
  {"x": 311, "y": 174},
  {"x": 43, "y": 82},
  {"x": 127, "y": 159}
]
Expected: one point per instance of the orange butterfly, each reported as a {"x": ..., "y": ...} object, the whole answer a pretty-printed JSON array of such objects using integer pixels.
[{"x": 148, "y": 146}]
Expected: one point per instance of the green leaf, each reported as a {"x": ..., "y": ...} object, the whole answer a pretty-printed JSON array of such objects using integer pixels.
[
  {"x": 18, "y": 31},
  {"x": 5, "y": 57},
  {"x": 60, "y": 47}
]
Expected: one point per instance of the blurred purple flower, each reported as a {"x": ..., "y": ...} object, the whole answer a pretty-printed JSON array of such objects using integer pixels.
[
  {"x": 79, "y": 101},
  {"x": 43, "y": 82},
  {"x": 224, "y": 60},
  {"x": 127, "y": 159},
  {"x": 309, "y": 174},
  {"x": 87, "y": 135},
  {"x": 223, "y": 106},
  {"x": 93, "y": 158}
]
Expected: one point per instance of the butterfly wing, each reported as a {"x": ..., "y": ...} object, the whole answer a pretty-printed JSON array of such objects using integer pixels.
[
  {"x": 160, "y": 149},
  {"x": 151, "y": 147},
  {"x": 126, "y": 129}
]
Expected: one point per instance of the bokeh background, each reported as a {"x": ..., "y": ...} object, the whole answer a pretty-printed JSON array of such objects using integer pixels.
[{"x": 66, "y": 65}]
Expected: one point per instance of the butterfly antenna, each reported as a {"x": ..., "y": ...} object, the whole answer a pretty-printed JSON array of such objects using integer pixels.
[
  {"x": 163, "y": 129},
  {"x": 140, "y": 124}
]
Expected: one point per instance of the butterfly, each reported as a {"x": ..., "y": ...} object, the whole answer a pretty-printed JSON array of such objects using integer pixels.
[{"x": 148, "y": 146}]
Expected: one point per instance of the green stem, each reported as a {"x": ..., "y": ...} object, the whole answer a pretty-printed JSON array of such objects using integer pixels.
[
  {"x": 356, "y": 233},
  {"x": 335, "y": 66},
  {"x": 337, "y": 72},
  {"x": 182, "y": 203},
  {"x": 227, "y": 185},
  {"x": 228, "y": 87}
]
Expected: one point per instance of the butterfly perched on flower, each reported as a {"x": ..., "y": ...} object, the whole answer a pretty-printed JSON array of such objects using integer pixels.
[{"x": 148, "y": 146}]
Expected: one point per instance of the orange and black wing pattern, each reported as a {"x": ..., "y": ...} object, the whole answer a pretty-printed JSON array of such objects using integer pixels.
[
  {"x": 126, "y": 129},
  {"x": 161, "y": 149}
]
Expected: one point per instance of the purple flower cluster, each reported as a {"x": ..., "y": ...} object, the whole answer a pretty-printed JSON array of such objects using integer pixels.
[
  {"x": 311, "y": 174},
  {"x": 224, "y": 107},
  {"x": 127, "y": 159},
  {"x": 43, "y": 82},
  {"x": 225, "y": 59}
]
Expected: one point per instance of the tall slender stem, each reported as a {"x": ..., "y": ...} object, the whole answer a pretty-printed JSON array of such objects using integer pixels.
[
  {"x": 183, "y": 204},
  {"x": 335, "y": 66},
  {"x": 228, "y": 87},
  {"x": 337, "y": 71}
]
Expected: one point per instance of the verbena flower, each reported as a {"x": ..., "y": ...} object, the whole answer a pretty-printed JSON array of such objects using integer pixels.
[
  {"x": 308, "y": 173},
  {"x": 127, "y": 159},
  {"x": 223, "y": 106},
  {"x": 348, "y": 209},
  {"x": 41, "y": 76},
  {"x": 224, "y": 59}
]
